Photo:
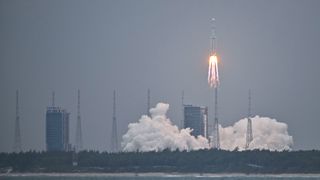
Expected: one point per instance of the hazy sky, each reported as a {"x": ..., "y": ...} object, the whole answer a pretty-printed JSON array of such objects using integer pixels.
[{"x": 271, "y": 47}]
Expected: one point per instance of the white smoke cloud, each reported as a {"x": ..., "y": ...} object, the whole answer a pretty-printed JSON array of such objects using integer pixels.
[
  {"x": 267, "y": 134},
  {"x": 157, "y": 133}
]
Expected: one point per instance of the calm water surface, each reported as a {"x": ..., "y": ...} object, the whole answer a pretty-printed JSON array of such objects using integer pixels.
[{"x": 156, "y": 177}]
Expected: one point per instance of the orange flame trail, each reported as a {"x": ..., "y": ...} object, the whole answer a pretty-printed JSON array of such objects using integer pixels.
[{"x": 213, "y": 73}]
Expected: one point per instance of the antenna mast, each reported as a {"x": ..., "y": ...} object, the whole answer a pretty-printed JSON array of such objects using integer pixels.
[
  {"x": 249, "y": 136},
  {"x": 114, "y": 140},
  {"x": 79, "y": 129},
  {"x": 17, "y": 136},
  {"x": 53, "y": 96},
  {"x": 182, "y": 106},
  {"x": 148, "y": 103}
]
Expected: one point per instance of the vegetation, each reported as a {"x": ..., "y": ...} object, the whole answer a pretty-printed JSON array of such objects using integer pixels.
[{"x": 202, "y": 161}]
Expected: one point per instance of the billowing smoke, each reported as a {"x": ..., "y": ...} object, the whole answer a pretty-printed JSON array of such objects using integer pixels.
[
  {"x": 157, "y": 133},
  {"x": 267, "y": 134}
]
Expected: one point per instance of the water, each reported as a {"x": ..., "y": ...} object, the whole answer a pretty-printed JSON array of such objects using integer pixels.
[{"x": 157, "y": 176}]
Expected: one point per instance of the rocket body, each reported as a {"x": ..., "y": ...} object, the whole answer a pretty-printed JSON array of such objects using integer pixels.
[{"x": 213, "y": 73}]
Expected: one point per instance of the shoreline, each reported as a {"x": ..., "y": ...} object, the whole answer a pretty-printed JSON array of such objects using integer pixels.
[{"x": 156, "y": 174}]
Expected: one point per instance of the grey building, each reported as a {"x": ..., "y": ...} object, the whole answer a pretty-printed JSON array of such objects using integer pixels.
[
  {"x": 57, "y": 129},
  {"x": 196, "y": 118}
]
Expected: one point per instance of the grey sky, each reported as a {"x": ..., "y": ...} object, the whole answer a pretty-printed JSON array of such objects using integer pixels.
[{"x": 271, "y": 47}]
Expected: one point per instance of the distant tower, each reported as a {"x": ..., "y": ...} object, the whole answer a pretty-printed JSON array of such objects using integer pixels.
[
  {"x": 53, "y": 96},
  {"x": 148, "y": 103},
  {"x": 17, "y": 136},
  {"x": 114, "y": 138},
  {"x": 78, "y": 130},
  {"x": 182, "y": 106},
  {"x": 249, "y": 136}
]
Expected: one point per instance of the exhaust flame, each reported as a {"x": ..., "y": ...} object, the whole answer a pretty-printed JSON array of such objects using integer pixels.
[{"x": 213, "y": 73}]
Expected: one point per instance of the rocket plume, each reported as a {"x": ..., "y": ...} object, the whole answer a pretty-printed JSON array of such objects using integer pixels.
[
  {"x": 213, "y": 73},
  {"x": 157, "y": 133},
  {"x": 268, "y": 134}
]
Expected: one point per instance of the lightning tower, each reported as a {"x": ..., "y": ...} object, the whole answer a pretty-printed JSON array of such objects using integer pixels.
[
  {"x": 148, "y": 103},
  {"x": 213, "y": 80},
  {"x": 78, "y": 130},
  {"x": 249, "y": 136},
  {"x": 17, "y": 136},
  {"x": 53, "y": 96},
  {"x": 182, "y": 106},
  {"x": 114, "y": 140}
]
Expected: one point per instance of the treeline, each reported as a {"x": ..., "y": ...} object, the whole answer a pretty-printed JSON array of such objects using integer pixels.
[{"x": 202, "y": 161}]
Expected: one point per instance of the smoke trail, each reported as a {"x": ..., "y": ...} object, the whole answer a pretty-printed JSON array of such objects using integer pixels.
[
  {"x": 267, "y": 134},
  {"x": 157, "y": 133}
]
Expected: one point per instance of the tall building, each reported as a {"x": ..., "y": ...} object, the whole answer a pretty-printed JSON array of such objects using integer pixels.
[
  {"x": 196, "y": 118},
  {"x": 57, "y": 129}
]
